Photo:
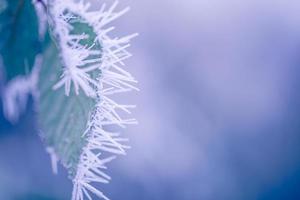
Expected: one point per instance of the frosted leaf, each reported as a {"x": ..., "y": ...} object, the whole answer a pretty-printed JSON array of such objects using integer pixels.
[{"x": 75, "y": 128}]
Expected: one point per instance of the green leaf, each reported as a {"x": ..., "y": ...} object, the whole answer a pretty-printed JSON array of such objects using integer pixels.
[
  {"x": 19, "y": 37},
  {"x": 63, "y": 119}
]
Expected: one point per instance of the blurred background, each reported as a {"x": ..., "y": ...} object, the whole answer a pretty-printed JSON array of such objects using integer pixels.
[{"x": 218, "y": 110}]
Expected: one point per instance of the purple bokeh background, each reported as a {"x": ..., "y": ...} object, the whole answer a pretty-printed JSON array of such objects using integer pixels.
[{"x": 218, "y": 110}]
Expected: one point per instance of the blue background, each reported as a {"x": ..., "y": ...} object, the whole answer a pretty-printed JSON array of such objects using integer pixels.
[{"x": 218, "y": 110}]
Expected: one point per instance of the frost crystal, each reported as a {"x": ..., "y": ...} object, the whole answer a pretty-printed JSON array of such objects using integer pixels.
[
  {"x": 40, "y": 9},
  {"x": 79, "y": 61},
  {"x": 15, "y": 94}
]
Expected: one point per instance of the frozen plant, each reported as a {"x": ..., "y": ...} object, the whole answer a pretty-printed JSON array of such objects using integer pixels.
[{"x": 72, "y": 73}]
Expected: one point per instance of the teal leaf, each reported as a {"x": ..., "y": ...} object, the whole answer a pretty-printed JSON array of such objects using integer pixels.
[
  {"x": 19, "y": 37},
  {"x": 63, "y": 119},
  {"x": 78, "y": 118}
]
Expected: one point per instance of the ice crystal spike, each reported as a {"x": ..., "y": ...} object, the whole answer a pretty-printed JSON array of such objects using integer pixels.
[
  {"x": 79, "y": 59},
  {"x": 92, "y": 63},
  {"x": 40, "y": 8}
]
